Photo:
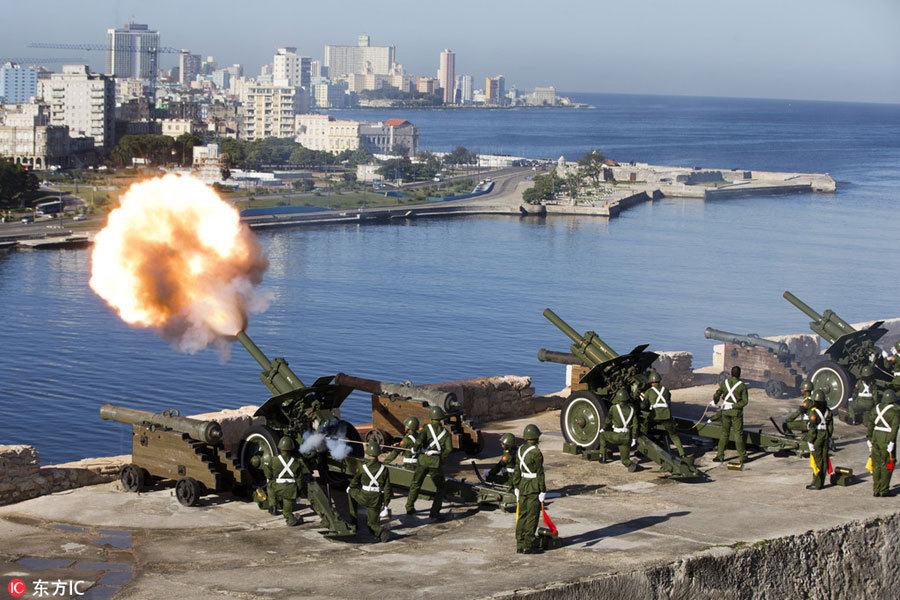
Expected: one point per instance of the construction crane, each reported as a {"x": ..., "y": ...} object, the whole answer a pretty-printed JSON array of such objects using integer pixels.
[
  {"x": 104, "y": 47},
  {"x": 24, "y": 60}
]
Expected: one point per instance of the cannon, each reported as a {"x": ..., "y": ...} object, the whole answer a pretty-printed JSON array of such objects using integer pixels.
[
  {"x": 850, "y": 351},
  {"x": 393, "y": 403},
  {"x": 603, "y": 372},
  {"x": 766, "y": 361},
  {"x": 168, "y": 446}
]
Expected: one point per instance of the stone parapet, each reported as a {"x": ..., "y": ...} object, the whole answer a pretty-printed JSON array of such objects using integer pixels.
[
  {"x": 233, "y": 422},
  {"x": 675, "y": 368},
  {"x": 500, "y": 397}
]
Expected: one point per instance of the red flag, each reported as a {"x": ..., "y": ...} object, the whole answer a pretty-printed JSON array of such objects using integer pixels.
[
  {"x": 890, "y": 464},
  {"x": 830, "y": 470},
  {"x": 548, "y": 522}
]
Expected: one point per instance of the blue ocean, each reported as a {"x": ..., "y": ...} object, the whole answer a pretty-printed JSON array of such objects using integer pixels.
[{"x": 442, "y": 300}]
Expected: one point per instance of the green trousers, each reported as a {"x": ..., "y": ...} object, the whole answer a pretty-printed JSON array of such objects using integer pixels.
[
  {"x": 857, "y": 409},
  {"x": 733, "y": 426},
  {"x": 373, "y": 501},
  {"x": 437, "y": 478},
  {"x": 796, "y": 426},
  {"x": 669, "y": 427},
  {"x": 881, "y": 477},
  {"x": 283, "y": 494},
  {"x": 820, "y": 455},
  {"x": 526, "y": 525},
  {"x": 622, "y": 440}
]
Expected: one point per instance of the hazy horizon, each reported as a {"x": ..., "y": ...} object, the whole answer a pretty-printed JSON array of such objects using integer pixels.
[{"x": 826, "y": 50}]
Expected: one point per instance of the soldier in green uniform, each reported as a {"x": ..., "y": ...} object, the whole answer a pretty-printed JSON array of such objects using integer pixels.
[
  {"x": 892, "y": 365},
  {"x": 798, "y": 420},
  {"x": 733, "y": 394},
  {"x": 821, "y": 428},
  {"x": 408, "y": 443},
  {"x": 863, "y": 398},
  {"x": 502, "y": 472},
  {"x": 530, "y": 490},
  {"x": 371, "y": 487},
  {"x": 433, "y": 445},
  {"x": 284, "y": 470},
  {"x": 657, "y": 401},
  {"x": 881, "y": 434},
  {"x": 620, "y": 428}
]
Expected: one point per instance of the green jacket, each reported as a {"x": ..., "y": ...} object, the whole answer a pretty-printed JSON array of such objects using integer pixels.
[
  {"x": 733, "y": 394},
  {"x": 279, "y": 474},
  {"x": 658, "y": 400},
  {"x": 882, "y": 423},
  {"x": 867, "y": 390},
  {"x": 378, "y": 484},
  {"x": 821, "y": 425},
  {"x": 528, "y": 477},
  {"x": 433, "y": 444},
  {"x": 622, "y": 418},
  {"x": 409, "y": 455},
  {"x": 802, "y": 412},
  {"x": 507, "y": 461}
]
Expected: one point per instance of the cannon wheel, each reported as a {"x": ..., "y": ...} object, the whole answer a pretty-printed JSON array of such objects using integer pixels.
[
  {"x": 834, "y": 380},
  {"x": 257, "y": 440},
  {"x": 333, "y": 478},
  {"x": 775, "y": 388},
  {"x": 473, "y": 447},
  {"x": 132, "y": 478},
  {"x": 188, "y": 491},
  {"x": 379, "y": 436},
  {"x": 582, "y": 419}
]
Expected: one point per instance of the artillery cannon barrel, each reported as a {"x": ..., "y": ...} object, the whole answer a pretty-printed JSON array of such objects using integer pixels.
[
  {"x": 751, "y": 339},
  {"x": 276, "y": 375},
  {"x": 828, "y": 324},
  {"x": 802, "y": 306},
  {"x": 446, "y": 400},
  {"x": 562, "y": 358},
  {"x": 593, "y": 347},
  {"x": 209, "y": 432}
]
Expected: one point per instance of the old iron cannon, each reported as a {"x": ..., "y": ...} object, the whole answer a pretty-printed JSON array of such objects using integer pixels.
[{"x": 766, "y": 361}]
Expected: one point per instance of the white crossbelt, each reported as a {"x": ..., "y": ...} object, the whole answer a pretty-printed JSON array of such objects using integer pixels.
[
  {"x": 660, "y": 401},
  {"x": 625, "y": 421},
  {"x": 881, "y": 423},
  {"x": 435, "y": 440},
  {"x": 411, "y": 460},
  {"x": 866, "y": 392},
  {"x": 373, "y": 479},
  {"x": 526, "y": 472},
  {"x": 730, "y": 399},
  {"x": 822, "y": 424},
  {"x": 286, "y": 469}
]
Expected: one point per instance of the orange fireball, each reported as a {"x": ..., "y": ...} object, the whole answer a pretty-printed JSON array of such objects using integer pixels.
[{"x": 175, "y": 257}]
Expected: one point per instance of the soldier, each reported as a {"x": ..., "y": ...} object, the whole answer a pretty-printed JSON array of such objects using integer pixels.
[
  {"x": 530, "y": 490},
  {"x": 410, "y": 456},
  {"x": 733, "y": 394},
  {"x": 799, "y": 419},
  {"x": 433, "y": 445},
  {"x": 371, "y": 487},
  {"x": 658, "y": 400},
  {"x": 620, "y": 428},
  {"x": 881, "y": 434},
  {"x": 284, "y": 469},
  {"x": 863, "y": 398},
  {"x": 892, "y": 364},
  {"x": 502, "y": 472},
  {"x": 821, "y": 428}
]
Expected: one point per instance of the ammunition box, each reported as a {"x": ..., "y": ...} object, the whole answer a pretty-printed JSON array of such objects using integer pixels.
[
  {"x": 843, "y": 476},
  {"x": 591, "y": 455},
  {"x": 735, "y": 466},
  {"x": 547, "y": 540},
  {"x": 570, "y": 448}
]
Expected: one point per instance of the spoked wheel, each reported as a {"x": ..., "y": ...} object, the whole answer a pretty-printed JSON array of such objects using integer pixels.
[
  {"x": 257, "y": 440},
  {"x": 188, "y": 491},
  {"x": 834, "y": 380},
  {"x": 379, "y": 436},
  {"x": 582, "y": 419},
  {"x": 473, "y": 447},
  {"x": 132, "y": 478},
  {"x": 775, "y": 388}
]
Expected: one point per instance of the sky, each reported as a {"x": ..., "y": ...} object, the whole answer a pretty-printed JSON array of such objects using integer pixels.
[{"x": 833, "y": 50}]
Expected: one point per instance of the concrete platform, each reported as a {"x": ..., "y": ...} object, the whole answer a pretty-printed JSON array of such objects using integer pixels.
[{"x": 614, "y": 524}]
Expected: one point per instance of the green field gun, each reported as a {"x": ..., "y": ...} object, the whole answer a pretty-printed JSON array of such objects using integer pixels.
[
  {"x": 585, "y": 411},
  {"x": 850, "y": 351}
]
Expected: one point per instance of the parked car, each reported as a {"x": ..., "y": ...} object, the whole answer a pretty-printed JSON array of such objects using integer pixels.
[
  {"x": 79, "y": 218},
  {"x": 28, "y": 219}
]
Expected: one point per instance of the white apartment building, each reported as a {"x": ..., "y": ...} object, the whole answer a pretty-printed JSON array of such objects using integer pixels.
[
  {"x": 131, "y": 89},
  {"x": 176, "y": 127},
  {"x": 362, "y": 58},
  {"x": 447, "y": 76},
  {"x": 133, "y": 52},
  {"x": 83, "y": 101},
  {"x": 543, "y": 96},
  {"x": 17, "y": 84},
  {"x": 326, "y": 95},
  {"x": 291, "y": 70},
  {"x": 465, "y": 85},
  {"x": 323, "y": 132},
  {"x": 269, "y": 111}
]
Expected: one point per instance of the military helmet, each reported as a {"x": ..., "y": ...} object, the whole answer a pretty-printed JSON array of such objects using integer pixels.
[
  {"x": 411, "y": 424},
  {"x": 806, "y": 386},
  {"x": 735, "y": 371},
  {"x": 507, "y": 439},
  {"x": 897, "y": 346},
  {"x": 866, "y": 371},
  {"x": 286, "y": 443},
  {"x": 373, "y": 449},
  {"x": 531, "y": 432},
  {"x": 888, "y": 396},
  {"x": 653, "y": 377},
  {"x": 621, "y": 396},
  {"x": 436, "y": 413},
  {"x": 818, "y": 397}
]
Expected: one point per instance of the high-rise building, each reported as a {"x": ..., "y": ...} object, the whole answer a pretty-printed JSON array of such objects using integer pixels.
[
  {"x": 83, "y": 101},
  {"x": 17, "y": 84},
  {"x": 362, "y": 58},
  {"x": 270, "y": 110},
  {"x": 495, "y": 90},
  {"x": 133, "y": 52},
  {"x": 289, "y": 69},
  {"x": 465, "y": 85},
  {"x": 189, "y": 66},
  {"x": 447, "y": 76}
]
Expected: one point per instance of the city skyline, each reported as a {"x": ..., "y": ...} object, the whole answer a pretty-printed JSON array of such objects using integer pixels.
[{"x": 825, "y": 50}]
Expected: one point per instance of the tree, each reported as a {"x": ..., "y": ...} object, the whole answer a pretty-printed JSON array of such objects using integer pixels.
[
  {"x": 592, "y": 164},
  {"x": 460, "y": 156},
  {"x": 544, "y": 188},
  {"x": 184, "y": 147},
  {"x": 154, "y": 149},
  {"x": 573, "y": 182},
  {"x": 305, "y": 184},
  {"x": 400, "y": 149},
  {"x": 16, "y": 184}
]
